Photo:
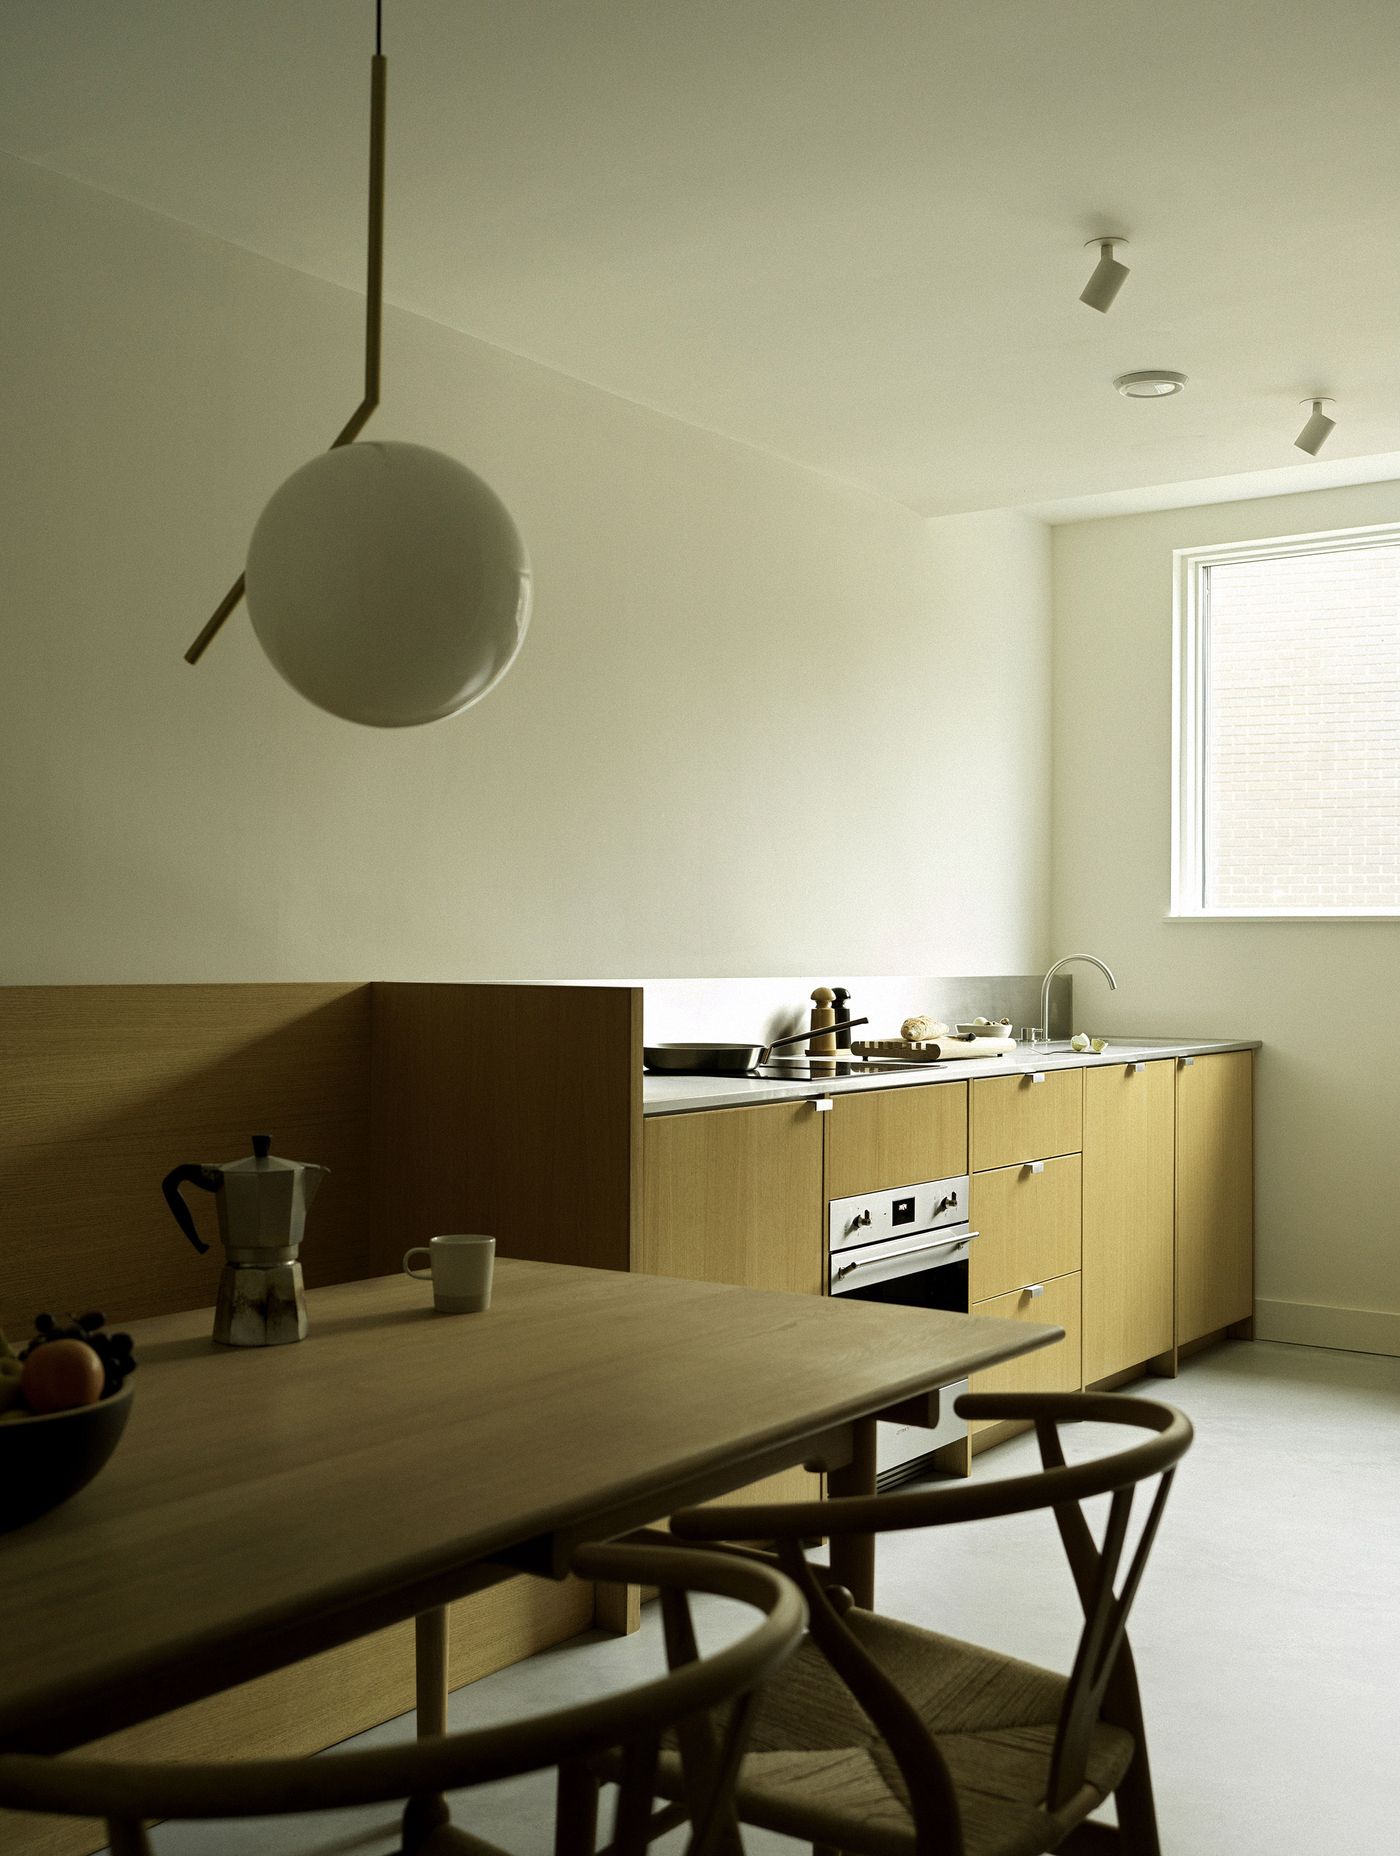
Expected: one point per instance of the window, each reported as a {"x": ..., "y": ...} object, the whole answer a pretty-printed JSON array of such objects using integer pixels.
[{"x": 1287, "y": 789}]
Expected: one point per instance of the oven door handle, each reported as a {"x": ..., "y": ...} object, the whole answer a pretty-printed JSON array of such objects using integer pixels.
[{"x": 903, "y": 1262}]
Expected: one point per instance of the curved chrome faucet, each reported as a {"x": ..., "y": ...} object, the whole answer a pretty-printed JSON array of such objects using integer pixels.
[{"x": 1040, "y": 1034}]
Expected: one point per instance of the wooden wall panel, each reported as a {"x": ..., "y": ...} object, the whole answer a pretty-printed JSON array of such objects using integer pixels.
[
  {"x": 512, "y": 1110},
  {"x": 104, "y": 1088}
]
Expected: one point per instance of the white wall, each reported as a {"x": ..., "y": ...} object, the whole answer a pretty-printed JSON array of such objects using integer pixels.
[
  {"x": 1324, "y": 996},
  {"x": 750, "y": 730}
]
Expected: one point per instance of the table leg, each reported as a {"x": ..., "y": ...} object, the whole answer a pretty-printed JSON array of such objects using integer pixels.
[
  {"x": 428, "y": 1813},
  {"x": 617, "y": 1608},
  {"x": 430, "y": 1634},
  {"x": 853, "y": 1555}
]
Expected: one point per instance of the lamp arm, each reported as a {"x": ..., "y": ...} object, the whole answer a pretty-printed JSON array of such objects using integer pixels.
[{"x": 374, "y": 319}]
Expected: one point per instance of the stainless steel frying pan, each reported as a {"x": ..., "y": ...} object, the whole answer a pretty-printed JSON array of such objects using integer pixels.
[{"x": 729, "y": 1059}]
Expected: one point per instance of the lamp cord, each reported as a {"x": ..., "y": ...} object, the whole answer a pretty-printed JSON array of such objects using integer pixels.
[{"x": 374, "y": 306}]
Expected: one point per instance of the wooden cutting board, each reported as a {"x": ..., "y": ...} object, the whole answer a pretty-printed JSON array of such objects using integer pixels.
[{"x": 936, "y": 1050}]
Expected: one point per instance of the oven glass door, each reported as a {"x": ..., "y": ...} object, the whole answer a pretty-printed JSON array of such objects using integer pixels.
[{"x": 925, "y": 1270}]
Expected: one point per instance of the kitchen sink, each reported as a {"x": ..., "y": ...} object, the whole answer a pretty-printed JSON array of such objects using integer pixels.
[{"x": 1117, "y": 1045}]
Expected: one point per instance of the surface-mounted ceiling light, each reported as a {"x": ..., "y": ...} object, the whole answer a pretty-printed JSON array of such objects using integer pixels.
[
  {"x": 386, "y": 582},
  {"x": 1318, "y": 429},
  {"x": 1150, "y": 383},
  {"x": 1109, "y": 275}
]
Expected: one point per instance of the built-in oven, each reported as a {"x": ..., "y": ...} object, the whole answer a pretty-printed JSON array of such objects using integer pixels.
[{"x": 909, "y": 1246}]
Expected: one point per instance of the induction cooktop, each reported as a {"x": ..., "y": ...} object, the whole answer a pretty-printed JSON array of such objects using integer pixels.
[{"x": 831, "y": 1069}]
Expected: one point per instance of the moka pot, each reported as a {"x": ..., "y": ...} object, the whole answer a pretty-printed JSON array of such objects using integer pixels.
[{"x": 262, "y": 1203}]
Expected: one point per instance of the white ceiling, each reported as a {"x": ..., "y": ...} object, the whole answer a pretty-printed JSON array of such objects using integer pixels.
[{"x": 846, "y": 231}]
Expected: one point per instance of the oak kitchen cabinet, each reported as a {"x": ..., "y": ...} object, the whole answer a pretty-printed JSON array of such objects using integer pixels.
[
  {"x": 1214, "y": 1193},
  {"x": 1112, "y": 1199},
  {"x": 735, "y": 1195},
  {"x": 466, "y": 1124},
  {"x": 1026, "y": 1132},
  {"x": 1128, "y": 1272}
]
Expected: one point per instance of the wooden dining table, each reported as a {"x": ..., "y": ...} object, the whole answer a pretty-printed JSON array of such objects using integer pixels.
[{"x": 266, "y": 1504}]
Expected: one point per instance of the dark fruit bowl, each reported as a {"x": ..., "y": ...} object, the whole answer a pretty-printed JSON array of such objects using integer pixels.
[{"x": 44, "y": 1460}]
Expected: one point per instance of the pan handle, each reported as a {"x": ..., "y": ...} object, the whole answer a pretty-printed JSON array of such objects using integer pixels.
[{"x": 819, "y": 1031}]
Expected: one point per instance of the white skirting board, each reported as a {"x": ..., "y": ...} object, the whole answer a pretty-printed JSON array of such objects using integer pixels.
[{"x": 1316, "y": 1324}]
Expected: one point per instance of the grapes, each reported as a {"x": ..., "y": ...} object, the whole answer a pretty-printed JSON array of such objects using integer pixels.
[{"x": 114, "y": 1350}]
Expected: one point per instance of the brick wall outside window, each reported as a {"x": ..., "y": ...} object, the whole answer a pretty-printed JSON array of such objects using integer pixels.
[{"x": 1302, "y": 748}]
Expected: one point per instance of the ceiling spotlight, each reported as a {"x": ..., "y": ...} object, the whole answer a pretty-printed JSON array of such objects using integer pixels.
[
  {"x": 1151, "y": 383},
  {"x": 1109, "y": 275},
  {"x": 1318, "y": 429}
]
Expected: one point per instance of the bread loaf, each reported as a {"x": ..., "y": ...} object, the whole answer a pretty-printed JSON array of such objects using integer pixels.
[{"x": 920, "y": 1029}]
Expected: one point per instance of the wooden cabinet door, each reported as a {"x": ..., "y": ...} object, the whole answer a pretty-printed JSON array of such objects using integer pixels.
[
  {"x": 1214, "y": 1193},
  {"x": 735, "y": 1195},
  {"x": 881, "y": 1138},
  {"x": 1129, "y": 1155}
]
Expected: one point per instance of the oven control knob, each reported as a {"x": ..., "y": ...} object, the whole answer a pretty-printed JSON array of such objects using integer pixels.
[{"x": 860, "y": 1219}]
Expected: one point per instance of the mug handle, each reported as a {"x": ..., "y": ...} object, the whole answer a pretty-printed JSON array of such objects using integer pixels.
[{"x": 418, "y": 1250}]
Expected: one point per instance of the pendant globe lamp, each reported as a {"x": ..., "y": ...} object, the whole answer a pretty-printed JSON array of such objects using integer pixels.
[{"x": 385, "y": 581}]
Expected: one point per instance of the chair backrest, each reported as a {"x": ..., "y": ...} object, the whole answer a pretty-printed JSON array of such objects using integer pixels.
[
  {"x": 1102, "y": 1684},
  {"x": 637, "y": 1718}
]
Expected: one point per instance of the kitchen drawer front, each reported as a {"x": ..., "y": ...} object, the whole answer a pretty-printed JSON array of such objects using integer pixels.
[
  {"x": 1027, "y": 1225},
  {"x": 1016, "y": 1118},
  {"x": 1049, "y": 1369},
  {"x": 881, "y": 1138}
]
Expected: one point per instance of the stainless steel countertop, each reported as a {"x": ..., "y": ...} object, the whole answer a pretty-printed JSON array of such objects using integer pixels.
[{"x": 673, "y": 1095}]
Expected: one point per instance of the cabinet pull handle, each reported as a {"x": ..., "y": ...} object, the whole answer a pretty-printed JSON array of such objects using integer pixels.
[
  {"x": 1186, "y": 1062},
  {"x": 1037, "y": 1076},
  {"x": 1136, "y": 1069},
  {"x": 1034, "y": 1166},
  {"x": 1034, "y": 1288},
  {"x": 821, "y": 1104}
]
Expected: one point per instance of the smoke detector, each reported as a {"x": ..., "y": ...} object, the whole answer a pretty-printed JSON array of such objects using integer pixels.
[{"x": 1151, "y": 383}]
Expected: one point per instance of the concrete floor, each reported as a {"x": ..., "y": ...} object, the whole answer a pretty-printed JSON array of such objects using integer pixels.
[{"x": 1267, "y": 1632}]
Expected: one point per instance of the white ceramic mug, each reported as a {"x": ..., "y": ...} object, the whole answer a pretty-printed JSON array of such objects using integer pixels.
[{"x": 459, "y": 1268}]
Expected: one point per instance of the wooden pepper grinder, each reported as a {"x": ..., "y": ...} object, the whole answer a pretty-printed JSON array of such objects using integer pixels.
[
  {"x": 841, "y": 1005},
  {"x": 822, "y": 1016}
]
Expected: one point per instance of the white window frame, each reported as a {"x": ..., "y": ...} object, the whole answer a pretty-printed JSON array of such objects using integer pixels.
[{"x": 1190, "y": 687}]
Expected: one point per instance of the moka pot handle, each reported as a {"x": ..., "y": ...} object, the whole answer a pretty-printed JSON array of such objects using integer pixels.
[{"x": 207, "y": 1178}]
